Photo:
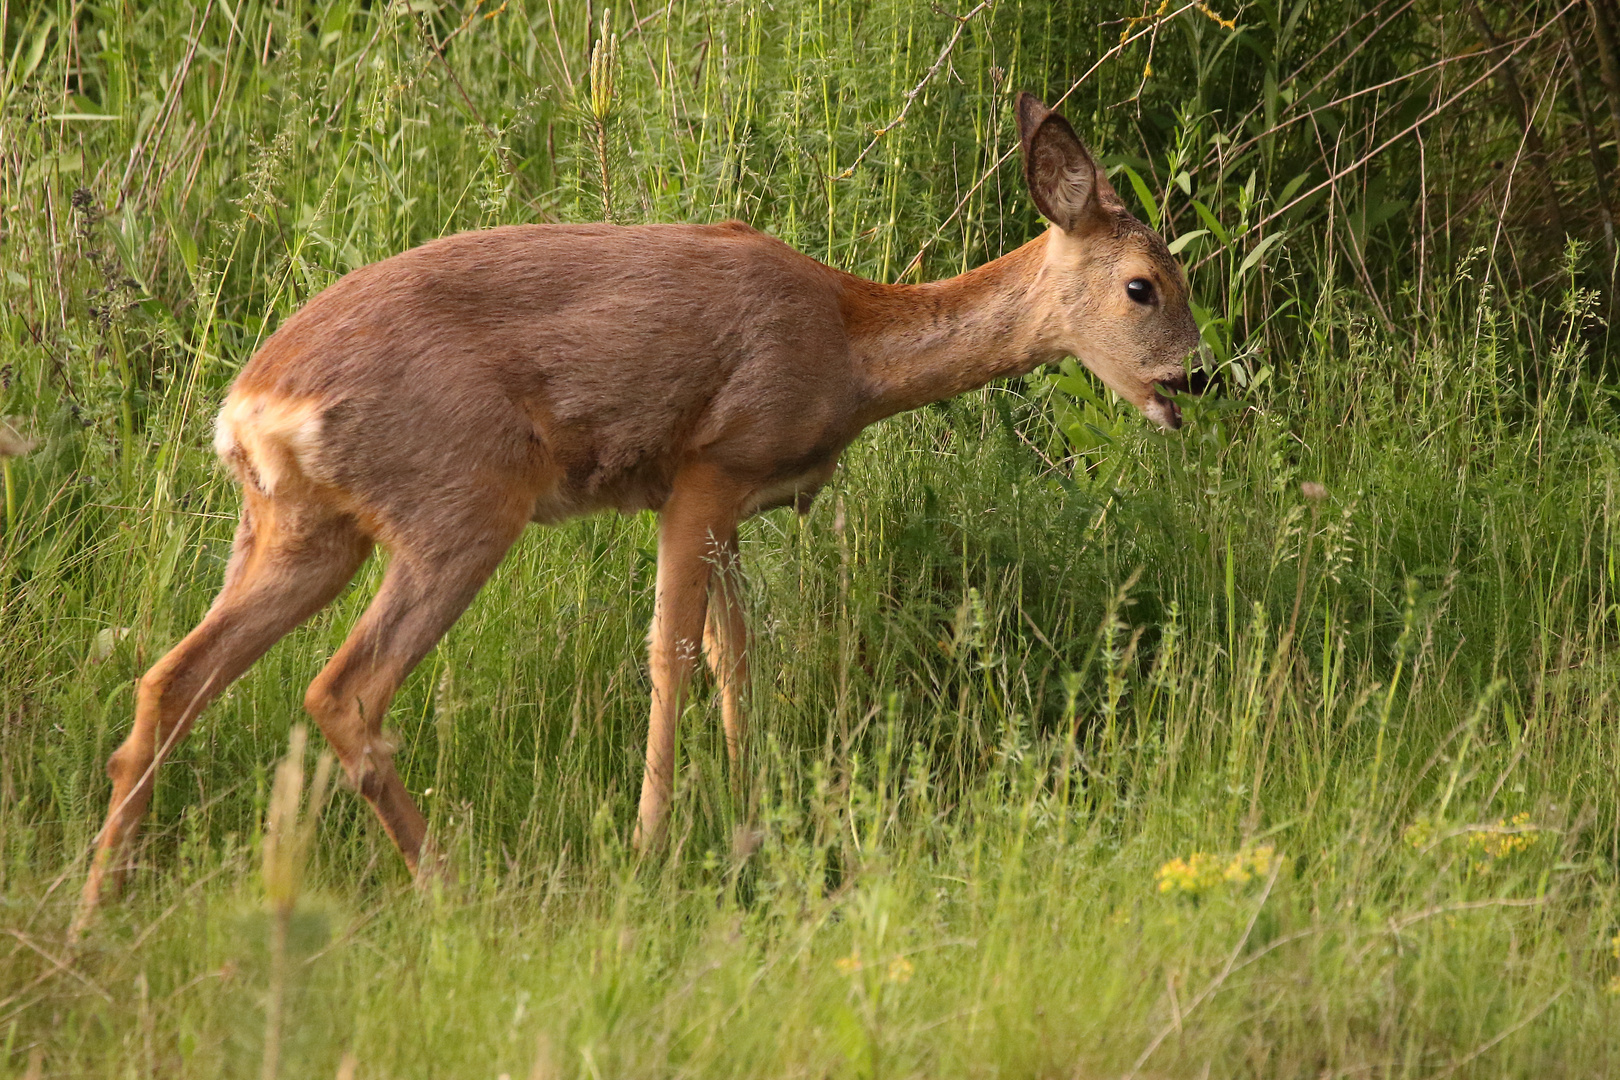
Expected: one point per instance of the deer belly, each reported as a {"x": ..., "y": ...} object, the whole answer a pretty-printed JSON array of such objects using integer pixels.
[{"x": 796, "y": 491}]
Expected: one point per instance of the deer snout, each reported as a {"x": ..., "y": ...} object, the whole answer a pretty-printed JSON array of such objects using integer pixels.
[{"x": 1160, "y": 409}]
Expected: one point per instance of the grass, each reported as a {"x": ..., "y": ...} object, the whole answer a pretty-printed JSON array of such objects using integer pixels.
[{"x": 1077, "y": 750}]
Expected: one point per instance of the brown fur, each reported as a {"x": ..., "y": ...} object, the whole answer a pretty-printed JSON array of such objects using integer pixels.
[{"x": 437, "y": 401}]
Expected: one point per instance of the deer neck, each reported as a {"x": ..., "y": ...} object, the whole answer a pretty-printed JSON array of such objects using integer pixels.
[{"x": 924, "y": 343}]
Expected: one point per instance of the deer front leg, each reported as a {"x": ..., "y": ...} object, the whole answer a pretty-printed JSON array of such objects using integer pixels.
[
  {"x": 725, "y": 644},
  {"x": 701, "y": 509}
]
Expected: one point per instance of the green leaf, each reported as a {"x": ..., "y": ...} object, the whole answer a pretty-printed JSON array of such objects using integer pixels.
[
  {"x": 1259, "y": 251},
  {"x": 1186, "y": 238},
  {"x": 1291, "y": 187},
  {"x": 1208, "y": 217},
  {"x": 37, "y": 49},
  {"x": 1103, "y": 437},
  {"x": 1078, "y": 387},
  {"x": 1143, "y": 195}
]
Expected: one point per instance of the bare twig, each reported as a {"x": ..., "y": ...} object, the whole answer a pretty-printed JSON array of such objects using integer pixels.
[
  {"x": 1504, "y": 1033},
  {"x": 171, "y": 103},
  {"x": 1397, "y": 925},
  {"x": 1608, "y": 63},
  {"x": 437, "y": 49},
  {"x": 912, "y": 94},
  {"x": 1214, "y": 984},
  {"x": 1594, "y": 142},
  {"x": 1398, "y": 136},
  {"x": 939, "y": 230},
  {"x": 60, "y": 964},
  {"x": 1283, "y": 125},
  {"x": 1537, "y": 151}
]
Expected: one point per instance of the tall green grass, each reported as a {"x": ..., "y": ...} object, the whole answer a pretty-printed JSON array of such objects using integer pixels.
[{"x": 1077, "y": 749}]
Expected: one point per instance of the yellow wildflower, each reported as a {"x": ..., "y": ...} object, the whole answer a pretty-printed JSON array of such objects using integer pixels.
[
  {"x": 1249, "y": 863},
  {"x": 849, "y": 965},
  {"x": 1195, "y": 874},
  {"x": 1200, "y": 872},
  {"x": 1498, "y": 844},
  {"x": 900, "y": 970}
]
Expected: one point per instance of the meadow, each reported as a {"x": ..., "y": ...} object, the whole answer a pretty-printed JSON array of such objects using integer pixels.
[{"x": 1285, "y": 745}]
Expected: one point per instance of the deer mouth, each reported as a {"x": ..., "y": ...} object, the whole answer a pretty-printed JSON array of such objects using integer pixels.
[
  {"x": 1164, "y": 412},
  {"x": 1160, "y": 409}
]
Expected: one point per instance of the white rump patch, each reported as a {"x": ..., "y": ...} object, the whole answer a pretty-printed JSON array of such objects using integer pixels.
[{"x": 265, "y": 439}]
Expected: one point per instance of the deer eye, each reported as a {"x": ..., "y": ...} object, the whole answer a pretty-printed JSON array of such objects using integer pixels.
[{"x": 1140, "y": 290}]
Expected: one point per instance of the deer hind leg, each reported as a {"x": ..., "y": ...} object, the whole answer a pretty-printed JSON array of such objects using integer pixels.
[
  {"x": 288, "y": 561},
  {"x": 725, "y": 646},
  {"x": 425, "y": 589},
  {"x": 700, "y": 513}
]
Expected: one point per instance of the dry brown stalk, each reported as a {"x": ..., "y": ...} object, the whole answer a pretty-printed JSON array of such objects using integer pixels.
[
  {"x": 1609, "y": 64},
  {"x": 1448, "y": 103},
  {"x": 1536, "y": 150},
  {"x": 1594, "y": 142}
]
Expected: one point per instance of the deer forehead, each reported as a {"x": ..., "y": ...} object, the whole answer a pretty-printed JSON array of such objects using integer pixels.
[{"x": 1127, "y": 250}]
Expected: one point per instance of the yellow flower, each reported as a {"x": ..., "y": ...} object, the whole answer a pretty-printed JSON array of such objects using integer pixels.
[
  {"x": 1499, "y": 844},
  {"x": 899, "y": 970},
  {"x": 1195, "y": 874},
  {"x": 1249, "y": 863},
  {"x": 849, "y": 965},
  {"x": 1200, "y": 872},
  {"x": 1614, "y": 985}
]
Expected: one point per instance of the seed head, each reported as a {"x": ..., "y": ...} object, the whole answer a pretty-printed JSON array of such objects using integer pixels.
[{"x": 12, "y": 443}]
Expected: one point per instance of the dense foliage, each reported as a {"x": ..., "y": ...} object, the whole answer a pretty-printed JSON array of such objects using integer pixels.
[{"x": 1283, "y": 745}]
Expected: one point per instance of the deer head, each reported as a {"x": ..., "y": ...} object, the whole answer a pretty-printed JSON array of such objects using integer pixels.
[{"x": 1115, "y": 297}]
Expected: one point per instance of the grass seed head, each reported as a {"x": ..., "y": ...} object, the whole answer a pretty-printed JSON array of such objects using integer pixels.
[
  {"x": 12, "y": 442},
  {"x": 287, "y": 834}
]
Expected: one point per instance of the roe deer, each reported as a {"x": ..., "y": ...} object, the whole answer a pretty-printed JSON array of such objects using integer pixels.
[{"x": 438, "y": 401}]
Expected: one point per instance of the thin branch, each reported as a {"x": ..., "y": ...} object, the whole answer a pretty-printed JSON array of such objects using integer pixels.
[
  {"x": 912, "y": 94},
  {"x": 1504, "y": 1033},
  {"x": 60, "y": 964},
  {"x": 437, "y": 49},
  {"x": 1522, "y": 112},
  {"x": 1350, "y": 55},
  {"x": 1214, "y": 984},
  {"x": 939, "y": 230},
  {"x": 1398, "y": 136},
  {"x": 1283, "y": 125},
  {"x": 1397, "y": 925}
]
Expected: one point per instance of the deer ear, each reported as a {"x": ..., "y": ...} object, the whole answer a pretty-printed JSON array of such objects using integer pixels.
[
  {"x": 1029, "y": 112},
  {"x": 1068, "y": 188}
]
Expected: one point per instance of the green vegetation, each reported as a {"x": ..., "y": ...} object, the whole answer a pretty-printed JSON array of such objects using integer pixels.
[{"x": 1285, "y": 745}]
